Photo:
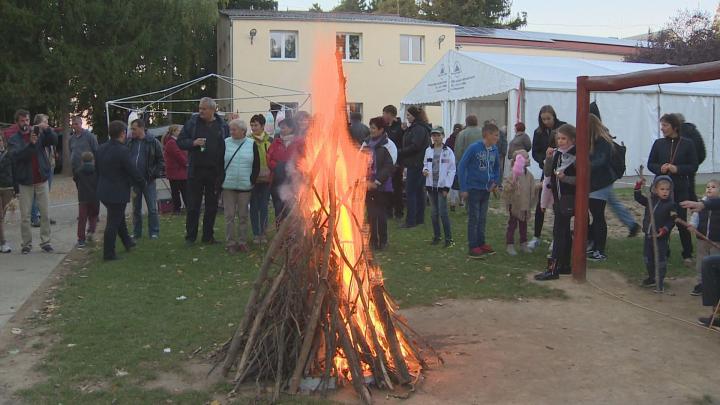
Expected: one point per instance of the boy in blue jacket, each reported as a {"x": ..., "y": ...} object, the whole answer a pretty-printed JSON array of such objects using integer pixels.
[{"x": 479, "y": 175}]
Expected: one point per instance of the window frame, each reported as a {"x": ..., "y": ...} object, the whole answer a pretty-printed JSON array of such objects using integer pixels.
[
  {"x": 284, "y": 34},
  {"x": 347, "y": 45},
  {"x": 410, "y": 49}
]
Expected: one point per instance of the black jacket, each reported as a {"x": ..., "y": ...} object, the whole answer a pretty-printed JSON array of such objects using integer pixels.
[
  {"x": 680, "y": 152},
  {"x": 7, "y": 179},
  {"x": 600, "y": 174},
  {"x": 709, "y": 224},
  {"x": 395, "y": 133},
  {"x": 384, "y": 167},
  {"x": 22, "y": 152},
  {"x": 559, "y": 187},
  {"x": 154, "y": 160},
  {"x": 359, "y": 132},
  {"x": 415, "y": 140},
  {"x": 661, "y": 209},
  {"x": 86, "y": 180},
  {"x": 213, "y": 158},
  {"x": 543, "y": 138},
  {"x": 689, "y": 130},
  {"x": 116, "y": 173}
]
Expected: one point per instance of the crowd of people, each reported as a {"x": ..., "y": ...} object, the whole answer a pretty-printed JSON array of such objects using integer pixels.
[{"x": 212, "y": 160}]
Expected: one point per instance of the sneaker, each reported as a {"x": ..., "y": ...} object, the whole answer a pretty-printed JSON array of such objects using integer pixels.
[
  {"x": 648, "y": 282},
  {"x": 35, "y": 224},
  {"x": 26, "y": 249},
  {"x": 546, "y": 275},
  {"x": 487, "y": 249},
  {"x": 449, "y": 243},
  {"x": 689, "y": 262},
  {"x": 511, "y": 250},
  {"x": 589, "y": 248},
  {"x": 47, "y": 248},
  {"x": 154, "y": 237},
  {"x": 80, "y": 244},
  {"x": 697, "y": 290},
  {"x": 533, "y": 243},
  {"x": 477, "y": 253},
  {"x": 596, "y": 256},
  {"x": 634, "y": 230},
  {"x": 550, "y": 248},
  {"x": 705, "y": 321},
  {"x": 525, "y": 248},
  {"x": 89, "y": 237},
  {"x": 5, "y": 248},
  {"x": 435, "y": 241},
  {"x": 659, "y": 290}
]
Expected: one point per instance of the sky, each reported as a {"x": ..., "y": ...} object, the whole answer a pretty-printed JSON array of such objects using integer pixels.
[{"x": 605, "y": 18}]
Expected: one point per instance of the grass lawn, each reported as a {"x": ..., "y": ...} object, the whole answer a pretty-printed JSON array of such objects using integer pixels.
[{"x": 120, "y": 316}]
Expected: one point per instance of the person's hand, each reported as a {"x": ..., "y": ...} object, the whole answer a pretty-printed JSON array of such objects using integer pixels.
[
  {"x": 639, "y": 184},
  {"x": 672, "y": 169},
  {"x": 560, "y": 174},
  {"x": 199, "y": 141},
  {"x": 33, "y": 138},
  {"x": 549, "y": 152},
  {"x": 664, "y": 168},
  {"x": 371, "y": 185},
  {"x": 694, "y": 206},
  {"x": 662, "y": 232},
  {"x": 425, "y": 173},
  {"x": 445, "y": 193},
  {"x": 464, "y": 195}
]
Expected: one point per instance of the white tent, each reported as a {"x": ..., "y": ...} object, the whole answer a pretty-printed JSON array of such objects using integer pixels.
[{"x": 512, "y": 88}]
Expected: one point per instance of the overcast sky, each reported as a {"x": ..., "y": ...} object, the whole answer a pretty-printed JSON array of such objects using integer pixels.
[{"x": 607, "y": 18}]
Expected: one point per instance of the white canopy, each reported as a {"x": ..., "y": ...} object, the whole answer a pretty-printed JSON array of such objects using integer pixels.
[{"x": 518, "y": 85}]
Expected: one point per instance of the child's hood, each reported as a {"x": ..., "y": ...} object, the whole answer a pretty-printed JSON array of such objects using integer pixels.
[
  {"x": 666, "y": 178},
  {"x": 87, "y": 168}
]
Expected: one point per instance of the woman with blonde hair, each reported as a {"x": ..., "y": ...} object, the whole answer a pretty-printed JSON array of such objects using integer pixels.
[
  {"x": 601, "y": 182},
  {"x": 176, "y": 162}
]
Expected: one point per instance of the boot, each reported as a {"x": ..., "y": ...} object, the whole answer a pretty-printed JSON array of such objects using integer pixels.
[{"x": 550, "y": 273}]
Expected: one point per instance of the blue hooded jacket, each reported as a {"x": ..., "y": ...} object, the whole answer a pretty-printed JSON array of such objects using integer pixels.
[{"x": 479, "y": 168}]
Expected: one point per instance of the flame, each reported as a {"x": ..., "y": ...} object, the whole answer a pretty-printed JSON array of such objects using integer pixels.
[{"x": 334, "y": 159}]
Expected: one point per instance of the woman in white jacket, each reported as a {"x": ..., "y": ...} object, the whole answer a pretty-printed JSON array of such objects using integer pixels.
[{"x": 439, "y": 172}]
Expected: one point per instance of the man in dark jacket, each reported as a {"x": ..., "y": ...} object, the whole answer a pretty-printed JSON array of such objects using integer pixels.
[
  {"x": 675, "y": 156},
  {"x": 116, "y": 174},
  {"x": 147, "y": 156},
  {"x": 203, "y": 136},
  {"x": 394, "y": 132},
  {"x": 690, "y": 131},
  {"x": 32, "y": 165},
  {"x": 415, "y": 140},
  {"x": 359, "y": 131}
]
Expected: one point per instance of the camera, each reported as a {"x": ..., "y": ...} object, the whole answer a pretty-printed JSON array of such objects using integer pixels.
[
  {"x": 24, "y": 128},
  {"x": 36, "y": 130}
]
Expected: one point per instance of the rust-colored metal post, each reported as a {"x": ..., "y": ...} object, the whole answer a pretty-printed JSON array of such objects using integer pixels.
[{"x": 582, "y": 183}]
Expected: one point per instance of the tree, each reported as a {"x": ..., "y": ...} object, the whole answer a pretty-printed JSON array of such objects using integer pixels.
[
  {"x": 357, "y": 6},
  {"x": 403, "y": 8},
  {"x": 690, "y": 37},
  {"x": 316, "y": 8},
  {"x": 474, "y": 13},
  {"x": 253, "y": 4}
]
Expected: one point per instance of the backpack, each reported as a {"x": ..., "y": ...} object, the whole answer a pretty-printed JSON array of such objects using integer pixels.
[{"x": 617, "y": 160}]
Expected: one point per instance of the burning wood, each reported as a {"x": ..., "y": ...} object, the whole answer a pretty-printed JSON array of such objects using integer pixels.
[{"x": 318, "y": 310}]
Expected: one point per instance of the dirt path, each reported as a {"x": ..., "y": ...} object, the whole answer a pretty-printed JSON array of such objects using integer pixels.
[{"x": 590, "y": 348}]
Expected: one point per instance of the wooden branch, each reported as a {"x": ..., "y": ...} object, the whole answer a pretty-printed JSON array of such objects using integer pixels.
[
  {"x": 357, "y": 379},
  {"x": 395, "y": 351}
]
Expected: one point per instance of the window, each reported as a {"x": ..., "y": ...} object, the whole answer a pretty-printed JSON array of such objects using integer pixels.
[
  {"x": 283, "y": 44},
  {"x": 412, "y": 48},
  {"x": 350, "y": 45},
  {"x": 354, "y": 107},
  {"x": 290, "y": 108}
]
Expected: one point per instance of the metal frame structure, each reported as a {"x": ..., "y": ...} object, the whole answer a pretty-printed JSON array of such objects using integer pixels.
[{"x": 585, "y": 84}]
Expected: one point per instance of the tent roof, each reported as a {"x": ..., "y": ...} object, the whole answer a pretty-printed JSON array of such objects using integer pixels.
[{"x": 475, "y": 74}]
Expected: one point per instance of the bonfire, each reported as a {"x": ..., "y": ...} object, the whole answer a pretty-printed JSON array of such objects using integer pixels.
[{"x": 319, "y": 316}]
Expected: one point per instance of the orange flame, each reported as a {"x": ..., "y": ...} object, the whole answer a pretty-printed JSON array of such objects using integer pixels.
[{"x": 334, "y": 159}]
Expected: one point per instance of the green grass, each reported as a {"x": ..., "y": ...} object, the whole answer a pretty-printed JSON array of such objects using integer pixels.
[{"x": 121, "y": 315}]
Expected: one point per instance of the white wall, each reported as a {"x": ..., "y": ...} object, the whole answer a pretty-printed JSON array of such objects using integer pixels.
[{"x": 699, "y": 111}]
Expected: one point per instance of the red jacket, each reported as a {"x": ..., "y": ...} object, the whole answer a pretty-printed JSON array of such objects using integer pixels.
[
  {"x": 278, "y": 155},
  {"x": 176, "y": 160}
]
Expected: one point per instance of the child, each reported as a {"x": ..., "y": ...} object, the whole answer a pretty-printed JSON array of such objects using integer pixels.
[
  {"x": 559, "y": 165},
  {"x": 709, "y": 225},
  {"x": 479, "y": 174},
  {"x": 439, "y": 172},
  {"x": 7, "y": 190},
  {"x": 88, "y": 204},
  {"x": 519, "y": 193},
  {"x": 660, "y": 206}
]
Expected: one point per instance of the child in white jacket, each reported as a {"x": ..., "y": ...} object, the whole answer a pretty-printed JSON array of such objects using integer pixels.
[{"x": 439, "y": 172}]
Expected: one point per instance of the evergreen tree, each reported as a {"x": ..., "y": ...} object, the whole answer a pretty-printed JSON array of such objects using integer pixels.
[
  {"x": 473, "y": 13},
  {"x": 316, "y": 8},
  {"x": 357, "y": 6},
  {"x": 253, "y": 4},
  {"x": 404, "y": 8}
]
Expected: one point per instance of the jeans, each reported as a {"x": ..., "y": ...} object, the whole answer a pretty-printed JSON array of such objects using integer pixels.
[
  {"x": 35, "y": 210},
  {"x": 87, "y": 216},
  {"x": 150, "y": 194},
  {"x": 376, "y": 202},
  {"x": 477, "y": 207},
  {"x": 259, "y": 200},
  {"x": 511, "y": 225},
  {"x": 711, "y": 280},
  {"x": 704, "y": 249},
  {"x": 415, "y": 192},
  {"x": 439, "y": 212},
  {"x": 620, "y": 211},
  {"x": 649, "y": 258},
  {"x": 562, "y": 237},
  {"x": 598, "y": 228},
  {"x": 396, "y": 202}
]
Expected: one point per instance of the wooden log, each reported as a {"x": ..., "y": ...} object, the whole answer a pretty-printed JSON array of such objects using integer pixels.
[
  {"x": 240, "y": 332},
  {"x": 280, "y": 363},
  {"x": 357, "y": 378},
  {"x": 317, "y": 306},
  {"x": 378, "y": 293}
]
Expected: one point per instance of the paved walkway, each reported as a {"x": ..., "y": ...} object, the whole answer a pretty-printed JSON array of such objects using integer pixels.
[{"x": 21, "y": 275}]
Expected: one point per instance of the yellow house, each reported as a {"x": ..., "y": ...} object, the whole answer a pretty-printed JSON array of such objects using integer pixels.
[{"x": 384, "y": 57}]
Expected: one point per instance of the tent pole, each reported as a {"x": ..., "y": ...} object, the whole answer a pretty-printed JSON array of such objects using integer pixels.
[{"x": 582, "y": 183}]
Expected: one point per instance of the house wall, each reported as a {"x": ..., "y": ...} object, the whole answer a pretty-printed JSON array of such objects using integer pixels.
[
  {"x": 376, "y": 80},
  {"x": 224, "y": 60}
]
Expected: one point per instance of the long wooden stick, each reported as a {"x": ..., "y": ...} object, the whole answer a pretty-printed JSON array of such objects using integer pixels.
[
  {"x": 697, "y": 233},
  {"x": 653, "y": 229},
  {"x": 395, "y": 351},
  {"x": 357, "y": 378}
]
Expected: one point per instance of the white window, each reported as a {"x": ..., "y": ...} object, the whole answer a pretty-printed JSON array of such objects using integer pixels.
[
  {"x": 354, "y": 107},
  {"x": 350, "y": 45},
  {"x": 412, "y": 48},
  {"x": 283, "y": 44}
]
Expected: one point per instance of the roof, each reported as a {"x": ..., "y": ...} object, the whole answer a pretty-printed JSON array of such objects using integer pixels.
[
  {"x": 327, "y": 16},
  {"x": 498, "y": 33}
]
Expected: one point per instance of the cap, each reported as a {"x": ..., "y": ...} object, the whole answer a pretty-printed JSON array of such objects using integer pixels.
[{"x": 437, "y": 130}]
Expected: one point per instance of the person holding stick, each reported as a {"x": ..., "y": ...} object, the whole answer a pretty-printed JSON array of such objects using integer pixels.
[
  {"x": 657, "y": 224},
  {"x": 706, "y": 228}
]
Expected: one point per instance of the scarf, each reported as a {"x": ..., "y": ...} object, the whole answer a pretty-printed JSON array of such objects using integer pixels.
[{"x": 566, "y": 158}]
